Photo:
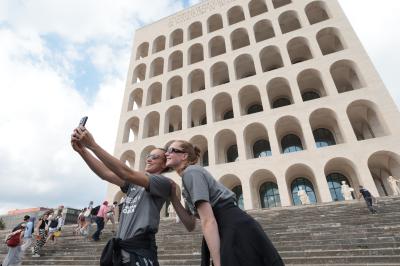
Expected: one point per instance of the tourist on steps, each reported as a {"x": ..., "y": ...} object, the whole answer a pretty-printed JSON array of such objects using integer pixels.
[
  {"x": 369, "y": 199},
  {"x": 41, "y": 234},
  {"x": 231, "y": 236},
  {"x": 146, "y": 194}
]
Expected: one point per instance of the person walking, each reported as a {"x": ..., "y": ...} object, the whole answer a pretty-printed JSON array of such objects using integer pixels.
[
  {"x": 231, "y": 236},
  {"x": 369, "y": 199},
  {"x": 110, "y": 215},
  {"x": 28, "y": 240},
  {"x": 14, "y": 242},
  {"x": 41, "y": 234},
  {"x": 146, "y": 193},
  {"x": 100, "y": 220}
]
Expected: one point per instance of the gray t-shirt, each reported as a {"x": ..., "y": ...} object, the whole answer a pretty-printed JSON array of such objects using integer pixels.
[
  {"x": 199, "y": 185},
  {"x": 141, "y": 210}
]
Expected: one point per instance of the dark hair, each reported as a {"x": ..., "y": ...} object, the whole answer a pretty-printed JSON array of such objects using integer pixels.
[
  {"x": 115, "y": 202},
  {"x": 26, "y": 217},
  {"x": 192, "y": 150}
]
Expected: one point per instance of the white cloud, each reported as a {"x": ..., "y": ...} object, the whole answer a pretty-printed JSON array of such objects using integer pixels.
[{"x": 40, "y": 106}]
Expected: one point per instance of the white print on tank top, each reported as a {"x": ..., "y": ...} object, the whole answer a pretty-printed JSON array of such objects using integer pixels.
[{"x": 132, "y": 200}]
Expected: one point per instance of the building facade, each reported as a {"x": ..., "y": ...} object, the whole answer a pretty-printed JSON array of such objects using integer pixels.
[{"x": 278, "y": 94}]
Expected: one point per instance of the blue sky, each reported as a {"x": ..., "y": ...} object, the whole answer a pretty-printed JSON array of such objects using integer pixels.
[{"x": 62, "y": 59}]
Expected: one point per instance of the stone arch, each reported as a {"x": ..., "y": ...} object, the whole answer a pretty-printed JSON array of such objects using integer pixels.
[
  {"x": 142, "y": 50},
  {"x": 311, "y": 84},
  {"x": 234, "y": 183},
  {"x": 280, "y": 3},
  {"x": 345, "y": 167},
  {"x": 174, "y": 87},
  {"x": 128, "y": 157},
  {"x": 244, "y": 66},
  {"x": 157, "y": 67},
  {"x": 175, "y": 61},
  {"x": 270, "y": 58},
  {"x": 299, "y": 50},
  {"x": 176, "y": 37},
  {"x": 196, "y": 54},
  {"x": 325, "y": 118},
  {"x": 223, "y": 141},
  {"x": 219, "y": 74},
  {"x": 216, "y": 46},
  {"x": 196, "y": 81},
  {"x": 195, "y": 30},
  {"x": 346, "y": 76},
  {"x": 202, "y": 143},
  {"x": 197, "y": 113},
  {"x": 257, "y": 179},
  {"x": 289, "y": 126},
  {"x": 135, "y": 99},
  {"x": 214, "y": 23},
  {"x": 249, "y": 97},
  {"x": 222, "y": 104},
  {"x": 173, "y": 119},
  {"x": 151, "y": 125},
  {"x": 239, "y": 38},
  {"x": 257, "y": 7},
  {"x": 159, "y": 44},
  {"x": 366, "y": 120},
  {"x": 256, "y": 141},
  {"x": 316, "y": 12},
  {"x": 131, "y": 130},
  {"x": 139, "y": 74},
  {"x": 383, "y": 164},
  {"x": 289, "y": 21},
  {"x": 330, "y": 40},
  {"x": 301, "y": 171},
  {"x": 235, "y": 15},
  {"x": 154, "y": 93},
  {"x": 263, "y": 30},
  {"x": 277, "y": 90}
]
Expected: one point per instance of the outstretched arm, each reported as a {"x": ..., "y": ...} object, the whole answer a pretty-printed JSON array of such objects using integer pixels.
[
  {"x": 188, "y": 220},
  {"x": 116, "y": 166}
]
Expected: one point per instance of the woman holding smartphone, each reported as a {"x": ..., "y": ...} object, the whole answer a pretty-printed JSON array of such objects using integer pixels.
[{"x": 231, "y": 236}]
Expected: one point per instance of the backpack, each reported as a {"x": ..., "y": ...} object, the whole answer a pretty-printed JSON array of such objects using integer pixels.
[
  {"x": 95, "y": 210},
  {"x": 14, "y": 239}
]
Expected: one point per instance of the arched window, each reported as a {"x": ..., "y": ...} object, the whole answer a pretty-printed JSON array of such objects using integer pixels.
[
  {"x": 195, "y": 54},
  {"x": 255, "y": 108},
  {"x": 239, "y": 38},
  {"x": 270, "y": 58},
  {"x": 195, "y": 30},
  {"x": 263, "y": 30},
  {"x": 142, "y": 51},
  {"x": 279, "y": 3},
  {"x": 291, "y": 143},
  {"x": 196, "y": 81},
  {"x": 305, "y": 184},
  {"x": 323, "y": 137},
  {"x": 244, "y": 66},
  {"x": 214, "y": 23},
  {"x": 316, "y": 12},
  {"x": 219, "y": 74},
  {"x": 269, "y": 195},
  {"x": 345, "y": 76},
  {"x": 239, "y": 196},
  {"x": 175, "y": 60},
  {"x": 216, "y": 46},
  {"x": 235, "y": 15},
  {"x": 281, "y": 102},
  {"x": 176, "y": 37},
  {"x": 228, "y": 114},
  {"x": 257, "y": 7},
  {"x": 159, "y": 44},
  {"x": 232, "y": 154},
  {"x": 329, "y": 41},
  {"x": 310, "y": 95},
  {"x": 299, "y": 50},
  {"x": 261, "y": 148},
  {"x": 288, "y": 21},
  {"x": 335, "y": 185},
  {"x": 139, "y": 74},
  {"x": 205, "y": 159}
]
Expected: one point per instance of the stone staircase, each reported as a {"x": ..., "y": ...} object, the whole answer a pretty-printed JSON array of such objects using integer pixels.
[{"x": 324, "y": 234}]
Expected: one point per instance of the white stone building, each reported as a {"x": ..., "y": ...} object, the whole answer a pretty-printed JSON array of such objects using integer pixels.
[{"x": 278, "y": 94}]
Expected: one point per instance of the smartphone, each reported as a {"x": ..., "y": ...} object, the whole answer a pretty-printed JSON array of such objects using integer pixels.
[{"x": 83, "y": 121}]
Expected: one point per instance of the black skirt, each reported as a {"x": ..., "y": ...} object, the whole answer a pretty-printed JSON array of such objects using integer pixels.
[{"x": 243, "y": 241}]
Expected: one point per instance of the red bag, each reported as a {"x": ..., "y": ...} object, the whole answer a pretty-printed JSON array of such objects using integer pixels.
[{"x": 14, "y": 240}]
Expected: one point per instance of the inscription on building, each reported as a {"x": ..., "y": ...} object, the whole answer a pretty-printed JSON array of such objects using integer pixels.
[{"x": 198, "y": 10}]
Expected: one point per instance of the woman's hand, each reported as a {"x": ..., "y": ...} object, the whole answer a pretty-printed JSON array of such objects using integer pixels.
[{"x": 84, "y": 137}]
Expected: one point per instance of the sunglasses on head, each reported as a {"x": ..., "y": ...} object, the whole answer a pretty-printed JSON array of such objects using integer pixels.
[
  {"x": 173, "y": 150},
  {"x": 153, "y": 156}
]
